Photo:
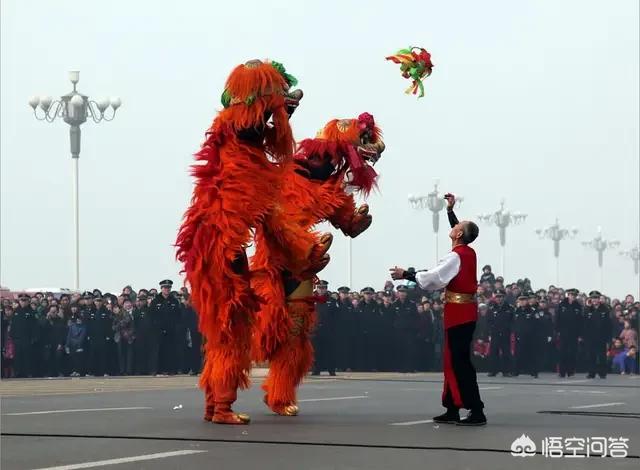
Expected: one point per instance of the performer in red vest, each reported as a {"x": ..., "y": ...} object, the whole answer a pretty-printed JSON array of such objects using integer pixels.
[{"x": 456, "y": 272}]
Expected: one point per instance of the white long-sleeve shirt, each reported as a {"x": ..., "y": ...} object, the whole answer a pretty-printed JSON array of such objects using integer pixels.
[{"x": 437, "y": 278}]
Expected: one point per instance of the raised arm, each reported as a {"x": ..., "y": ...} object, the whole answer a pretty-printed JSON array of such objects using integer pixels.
[{"x": 451, "y": 201}]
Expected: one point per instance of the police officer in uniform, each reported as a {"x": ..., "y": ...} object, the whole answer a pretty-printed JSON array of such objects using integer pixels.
[
  {"x": 568, "y": 320},
  {"x": 100, "y": 336},
  {"x": 346, "y": 331},
  {"x": 499, "y": 321},
  {"x": 324, "y": 335},
  {"x": 22, "y": 333},
  {"x": 370, "y": 322},
  {"x": 144, "y": 330},
  {"x": 389, "y": 359},
  {"x": 406, "y": 329},
  {"x": 597, "y": 332},
  {"x": 548, "y": 353},
  {"x": 164, "y": 310},
  {"x": 522, "y": 329}
]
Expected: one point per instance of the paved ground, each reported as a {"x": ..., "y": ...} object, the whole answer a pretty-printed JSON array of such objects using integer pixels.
[{"x": 360, "y": 421}]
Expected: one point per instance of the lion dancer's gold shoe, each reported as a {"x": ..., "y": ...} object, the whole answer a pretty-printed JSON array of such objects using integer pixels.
[
  {"x": 282, "y": 410},
  {"x": 225, "y": 395}
]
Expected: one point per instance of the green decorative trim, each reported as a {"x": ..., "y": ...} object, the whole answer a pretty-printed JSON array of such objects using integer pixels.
[
  {"x": 290, "y": 79},
  {"x": 225, "y": 99}
]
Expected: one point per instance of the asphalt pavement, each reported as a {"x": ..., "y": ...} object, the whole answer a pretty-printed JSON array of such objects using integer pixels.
[{"x": 353, "y": 421}]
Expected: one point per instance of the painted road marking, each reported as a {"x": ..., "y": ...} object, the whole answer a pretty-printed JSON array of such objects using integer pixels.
[
  {"x": 583, "y": 391},
  {"x": 79, "y": 410},
  {"x": 334, "y": 398},
  {"x": 138, "y": 458},
  {"x": 411, "y": 423},
  {"x": 597, "y": 405}
]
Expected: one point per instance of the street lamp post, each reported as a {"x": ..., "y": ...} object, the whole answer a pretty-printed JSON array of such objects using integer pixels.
[
  {"x": 502, "y": 218},
  {"x": 556, "y": 234},
  {"x": 599, "y": 244},
  {"x": 74, "y": 108},
  {"x": 634, "y": 254},
  {"x": 435, "y": 202}
]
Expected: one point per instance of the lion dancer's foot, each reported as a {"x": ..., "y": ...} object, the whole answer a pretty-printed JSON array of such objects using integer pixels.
[
  {"x": 225, "y": 395},
  {"x": 360, "y": 221},
  {"x": 294, "y": 359},
  {"x": 283, "y": 410},
  {"x": 319, "y": 258},
  {"x": 209, "y": 403}
]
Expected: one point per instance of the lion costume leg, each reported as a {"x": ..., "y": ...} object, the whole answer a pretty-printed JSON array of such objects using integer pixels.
[{"x": 293, "y": 358}]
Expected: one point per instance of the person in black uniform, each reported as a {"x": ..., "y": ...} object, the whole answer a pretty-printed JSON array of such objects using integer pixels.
[
  {"x": 54, "y": 333},
  {"x": 499, "y": 321},
  {"x": 367, "y": 315},
  {"x": 538, "y": 336},
  {"x": 164, "y": 309},
  {"x": 406, "y": 327},
  {"x": 194, "y": 353},
  {"x": 324, "y": 336},
  {"x": 346, "y": 331},
  {"x": 424, "y": 346},
  {"x": 568, "y": 319},
  {"x": 548, "y": 354},
  {"x": 597, "y": 334},
  {"x": 522, "y": 329},
  {"x": 144, "y": 330},
  {"x": 100, "y": 337},
  {"x": 389, "y": 359},
  {"x": 22, "y": 333}
]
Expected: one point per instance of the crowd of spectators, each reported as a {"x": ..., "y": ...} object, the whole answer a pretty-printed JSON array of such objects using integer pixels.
[
  {"x": 398, "y": 328},
  {"x": 519, "y": 330},
  {"x": 96, "y": 334}
]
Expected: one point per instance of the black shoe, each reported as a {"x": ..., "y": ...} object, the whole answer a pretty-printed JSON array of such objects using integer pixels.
[
  {"x": 591, "y": 376},
  {"x": 534, "y": 375},
  {"x": 491, "y": 374},
  {"x": 561, "y": 375},
  {"x": 315, "y": 373},
  {"x": 332, "y": 373},
  {"x": 474, "y": 418},
  {"x": 452, "y": 416},
  {"x": 506, "y": 374},
  {"x": 603, "y": 376}
]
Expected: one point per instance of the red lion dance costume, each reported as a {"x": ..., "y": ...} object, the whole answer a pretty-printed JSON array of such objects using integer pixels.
[
  {"x": 236, "y": 188},
  {"x": 314, "y": 190}
]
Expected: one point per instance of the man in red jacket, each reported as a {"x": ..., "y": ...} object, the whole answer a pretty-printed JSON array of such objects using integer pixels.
[{"x": 456, "y": 272}]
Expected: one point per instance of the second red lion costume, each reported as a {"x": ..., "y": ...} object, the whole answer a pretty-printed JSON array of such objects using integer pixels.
[{"x": 314, "y": 190}]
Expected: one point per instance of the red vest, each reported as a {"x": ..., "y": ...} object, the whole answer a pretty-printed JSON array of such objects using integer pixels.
[{"x": 465, "y": 282}]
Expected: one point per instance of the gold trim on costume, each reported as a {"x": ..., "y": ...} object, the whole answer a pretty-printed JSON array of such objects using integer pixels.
[{"x": 456, "y": 298}]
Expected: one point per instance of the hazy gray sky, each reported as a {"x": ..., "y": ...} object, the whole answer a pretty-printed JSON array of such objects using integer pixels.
[{"x": 533, "y": 101}]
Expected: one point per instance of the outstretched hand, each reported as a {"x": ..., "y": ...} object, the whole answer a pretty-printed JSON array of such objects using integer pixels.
[{"x": 396, "y": 273}]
